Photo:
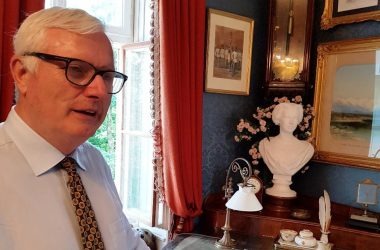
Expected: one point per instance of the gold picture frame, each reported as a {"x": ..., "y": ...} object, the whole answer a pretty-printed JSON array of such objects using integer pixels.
[
  {"x": 229, "y": 50},
  {"x": 345, "y": 11},
  {"x": 346, "y": 127}
]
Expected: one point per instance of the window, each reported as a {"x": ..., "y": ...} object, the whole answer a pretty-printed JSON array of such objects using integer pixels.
[
  {"x": 124, "y": 138},
  {"x": 134, "y": 175}
]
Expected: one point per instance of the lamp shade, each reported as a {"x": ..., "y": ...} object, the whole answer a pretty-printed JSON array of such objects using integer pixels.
[{"x": 244, "y": 200}]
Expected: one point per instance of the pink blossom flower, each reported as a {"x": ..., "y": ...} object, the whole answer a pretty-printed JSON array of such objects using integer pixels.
[
  {"x": 255, "y": 162},
  {"x": 298, "y": 99},
  {"x": 251, "y": 130}
]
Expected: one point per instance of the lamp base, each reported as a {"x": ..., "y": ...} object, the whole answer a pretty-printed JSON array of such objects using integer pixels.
[
  {"x": 222, "y": 245},
  {"x": 226, "y": 242}
]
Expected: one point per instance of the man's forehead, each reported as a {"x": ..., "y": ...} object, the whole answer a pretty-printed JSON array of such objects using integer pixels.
[{"x": 94, "y": 48}]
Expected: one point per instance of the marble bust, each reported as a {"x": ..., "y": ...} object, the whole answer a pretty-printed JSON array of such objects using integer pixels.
[{"x": 284, "y": 154}]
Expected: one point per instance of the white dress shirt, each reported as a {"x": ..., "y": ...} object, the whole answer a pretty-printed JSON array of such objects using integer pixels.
[{"x": 36, "y": 212}]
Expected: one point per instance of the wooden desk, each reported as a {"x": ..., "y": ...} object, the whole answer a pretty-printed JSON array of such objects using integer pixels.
[
  {"x": 202, "y": 242},
  {"x": 268, "y": 224}
]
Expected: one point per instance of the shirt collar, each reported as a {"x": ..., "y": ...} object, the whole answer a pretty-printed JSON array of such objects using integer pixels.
[{"x": 39, "y": 153}]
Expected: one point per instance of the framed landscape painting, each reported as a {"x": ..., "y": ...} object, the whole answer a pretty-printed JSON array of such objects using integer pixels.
[
  {"x": 228, "y": 56},
  {"x": 347, "y": 103}
]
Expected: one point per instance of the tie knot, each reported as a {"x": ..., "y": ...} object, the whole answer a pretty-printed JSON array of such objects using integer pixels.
[{"x": 69, "y": 164}]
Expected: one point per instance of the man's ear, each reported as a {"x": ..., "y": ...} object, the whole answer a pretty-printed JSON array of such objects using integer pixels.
[{"x": 20, "y": 73}]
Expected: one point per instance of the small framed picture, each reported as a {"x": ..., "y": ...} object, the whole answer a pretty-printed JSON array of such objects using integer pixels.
[
  {"x": 229, "y": 50},
  {"x": 367, "y": 193}
]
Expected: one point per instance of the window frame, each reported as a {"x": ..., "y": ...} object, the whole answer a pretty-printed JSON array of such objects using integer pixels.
[
  {"x": 121, "y": 132},
  {"x": 129, "y": 35}
]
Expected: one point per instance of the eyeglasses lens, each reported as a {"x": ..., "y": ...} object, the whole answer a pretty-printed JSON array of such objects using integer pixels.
[{"x": 81, "y": 73}]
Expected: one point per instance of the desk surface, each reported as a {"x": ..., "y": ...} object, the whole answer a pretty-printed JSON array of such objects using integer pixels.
[
  {"x": 198, "y": 241},
  {"x": 269, "y": 224}
]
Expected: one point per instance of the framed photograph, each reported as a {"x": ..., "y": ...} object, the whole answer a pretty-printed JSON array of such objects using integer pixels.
[
  {"x": 229, "y": 50},
  {"x": 347, "y": 103},
  {"x": 349, "y": 11},
  {"x": 367, "y": 193}
]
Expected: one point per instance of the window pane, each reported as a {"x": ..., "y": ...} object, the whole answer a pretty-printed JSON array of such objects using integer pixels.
[
  {"x": 134, "y": 175},
  {"x": 138, "y": 71},
  {"x": 117, "y": 15},
  {"x": 104, "y": 138},
  {"x": 109, "y": 11},
  {"x": 138, "y": 180}
]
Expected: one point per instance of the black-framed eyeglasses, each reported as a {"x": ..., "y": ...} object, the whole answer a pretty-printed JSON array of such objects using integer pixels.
[{"x": 82, "y": 73}]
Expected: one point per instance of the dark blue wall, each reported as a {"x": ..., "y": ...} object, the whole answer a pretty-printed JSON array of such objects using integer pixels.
[{"x": 221, "y": 112}]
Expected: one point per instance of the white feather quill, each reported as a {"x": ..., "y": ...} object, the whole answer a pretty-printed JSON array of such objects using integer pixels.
[
  {"x": 328, "y": 211},
  {"x": 322, "y": 212}
]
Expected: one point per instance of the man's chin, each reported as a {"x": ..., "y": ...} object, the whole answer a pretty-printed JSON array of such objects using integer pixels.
[{"x": 82, "y": 136}]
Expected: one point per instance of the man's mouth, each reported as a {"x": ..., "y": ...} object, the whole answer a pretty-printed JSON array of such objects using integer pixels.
[{"x": 91, "y": 113}]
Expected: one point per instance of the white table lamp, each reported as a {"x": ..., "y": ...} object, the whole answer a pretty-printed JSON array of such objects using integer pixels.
[{"x": 243, "y": 200}]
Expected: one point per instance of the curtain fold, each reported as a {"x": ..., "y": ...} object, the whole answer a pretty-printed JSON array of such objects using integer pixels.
[
  {"x": 12, "y": 13},
  {"x": 182, "y": 38}
]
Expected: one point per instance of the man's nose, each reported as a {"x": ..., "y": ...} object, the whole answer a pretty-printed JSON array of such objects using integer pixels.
[{"x": 98, "y": 86}]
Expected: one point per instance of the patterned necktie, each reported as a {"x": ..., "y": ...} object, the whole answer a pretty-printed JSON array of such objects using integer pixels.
[{"x": 90, "y": 233}]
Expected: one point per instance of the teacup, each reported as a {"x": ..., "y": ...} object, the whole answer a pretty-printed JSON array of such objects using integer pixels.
[
  {"x": 288, "y": 234},
  {"x": 305, "y": 239}
]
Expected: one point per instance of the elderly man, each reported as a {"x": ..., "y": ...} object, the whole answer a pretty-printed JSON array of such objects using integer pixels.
[{"x": 56, "y": 190}]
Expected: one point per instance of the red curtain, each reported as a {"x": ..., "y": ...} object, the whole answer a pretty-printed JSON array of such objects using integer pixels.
[
  {"x": 182, "y": 36},
  {"x": 12, "y": 13}
]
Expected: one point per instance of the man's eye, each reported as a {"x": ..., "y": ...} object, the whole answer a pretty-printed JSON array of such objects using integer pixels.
[{"x": 76, "y": 69}]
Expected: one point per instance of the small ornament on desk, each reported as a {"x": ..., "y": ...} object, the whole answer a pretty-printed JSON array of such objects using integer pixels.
[
  {"x": 257, "y": 184},
  {"x": 302, "y": 214},
  {"x": 367, "y": 195}
]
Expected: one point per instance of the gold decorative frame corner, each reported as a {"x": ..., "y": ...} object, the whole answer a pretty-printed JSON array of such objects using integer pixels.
[{"x": 328, "y": 21}]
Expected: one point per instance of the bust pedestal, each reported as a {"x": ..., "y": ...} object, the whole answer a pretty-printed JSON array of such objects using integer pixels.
[{"x": 281, "y": 187}]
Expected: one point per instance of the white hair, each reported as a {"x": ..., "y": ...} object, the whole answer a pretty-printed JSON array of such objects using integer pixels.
[{"x": 31, "y": 34}]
